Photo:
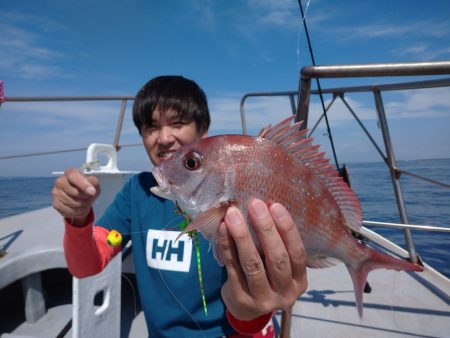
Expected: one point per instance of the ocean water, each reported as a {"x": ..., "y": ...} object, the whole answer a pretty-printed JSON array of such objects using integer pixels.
[{"x": 425, "y": 203}]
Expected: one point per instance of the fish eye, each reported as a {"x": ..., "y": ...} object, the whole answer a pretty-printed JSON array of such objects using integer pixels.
[{"x": 192, "y": 160}]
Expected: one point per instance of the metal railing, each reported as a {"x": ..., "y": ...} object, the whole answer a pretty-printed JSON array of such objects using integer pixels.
[
  {"x": 368, "y": 70},
  {"x": 116, "y": 142},
  {"x": 301, "y": 111}
]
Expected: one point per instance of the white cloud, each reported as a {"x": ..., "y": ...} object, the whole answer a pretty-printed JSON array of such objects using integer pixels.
[
  {"x": 50, "y": 126},
  {"x": 40, "y": 22},
  {"x": 277, "y": 13},
  {"x": 64, "y": 126},
  {"x": 226, "y": 118},
  {"x": 205, "y": 16},
  {"x": 424, "y": 28},
  {"x": 266, "y": 15},
  {"x": 260, "y": 111},
  {"x": 339, "y": 112},
  {"x": 22, "y": 50},
  {"x": 95, "y": 112},
  {"x": 423, "y": 51},
  {"x": 420, "y": 103}
]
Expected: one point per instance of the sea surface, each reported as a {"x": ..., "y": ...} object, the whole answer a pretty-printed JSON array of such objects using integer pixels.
[{"x": 425, "y": 203}]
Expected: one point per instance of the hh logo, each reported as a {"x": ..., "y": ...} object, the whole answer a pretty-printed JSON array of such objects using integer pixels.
[{"x": 166, "y": 254}]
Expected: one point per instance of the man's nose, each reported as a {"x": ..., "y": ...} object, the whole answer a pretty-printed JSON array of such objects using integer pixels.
[{"x": 165, "y": 135}]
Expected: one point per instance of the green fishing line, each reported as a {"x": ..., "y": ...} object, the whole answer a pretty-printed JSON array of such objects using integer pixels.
[
  {"x": 199, "y": 268},
  {"x": 194, "y": 235}
]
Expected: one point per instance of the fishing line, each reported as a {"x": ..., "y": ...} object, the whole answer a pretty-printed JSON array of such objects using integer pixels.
[
  {"x": 299, "y": 34},
  {"x": 87, "y": 167},
  {"x": 319, "y": 88},
  {"x": 123, "y": 274},
  {"x": 191, "y": 316},
  {"x": 393, "y": 285},
  {"x": 170, "y": 225},
  {"x": 134, "y": 293}
]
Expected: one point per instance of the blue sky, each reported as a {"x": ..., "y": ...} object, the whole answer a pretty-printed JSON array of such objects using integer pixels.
[{"x": 102, "y": 47}]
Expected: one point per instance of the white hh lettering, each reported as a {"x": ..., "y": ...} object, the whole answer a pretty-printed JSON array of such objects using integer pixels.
[{"x": 164, "y": 253}]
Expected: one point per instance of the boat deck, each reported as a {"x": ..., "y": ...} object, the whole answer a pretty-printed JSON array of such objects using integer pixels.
[{"x": 400, "y": 304}]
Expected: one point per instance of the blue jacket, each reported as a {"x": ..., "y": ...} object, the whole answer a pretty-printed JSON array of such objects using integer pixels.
[{"x": 166, "y": 271}]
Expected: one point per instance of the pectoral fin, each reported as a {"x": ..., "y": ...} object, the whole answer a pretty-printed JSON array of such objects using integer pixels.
[{"x": 207, "y": 222}]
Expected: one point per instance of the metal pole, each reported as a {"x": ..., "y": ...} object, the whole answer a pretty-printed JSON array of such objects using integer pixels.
[
  {"x": 395, "y": 175},
  {"x": 286, "y": 318},
  {"x": 341, "y": 96},
  {"x": 311, "y": 131},
  {"x": 364, "y": 70},
  {"x": 303, "y": 101},
  {"x": 291, "y": 95},
  {"x": 377, "y": 69},
  {"x": 65, "y": 98},
  {"x": 293, "y": 107},
  {"x": 120, "y": 123},
  {"x": 243, "y": 121}
]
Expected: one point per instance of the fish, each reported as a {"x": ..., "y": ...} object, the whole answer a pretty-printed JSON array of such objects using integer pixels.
[{"x": 281, "y": 165}]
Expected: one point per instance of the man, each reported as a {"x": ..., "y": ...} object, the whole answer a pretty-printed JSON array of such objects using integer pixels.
[{"x": 169, "y": 112}]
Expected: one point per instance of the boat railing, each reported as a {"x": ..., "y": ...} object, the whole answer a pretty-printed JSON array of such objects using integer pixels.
[
  {"x": 301, "y": 111},
  {"x": 34, "y": 99},
  {"x": 88, "y": 318}
]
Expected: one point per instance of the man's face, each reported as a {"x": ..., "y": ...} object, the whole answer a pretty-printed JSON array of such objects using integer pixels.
[{"x": 166, "y": 135}]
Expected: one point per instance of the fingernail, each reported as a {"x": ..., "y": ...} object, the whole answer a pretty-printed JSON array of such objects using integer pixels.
[
  {"x": 91, "y": 191},
  {"x": 278, "y": 211},
  {"x": 259, "y": 208},
  {"x": 232, "y": 216}
]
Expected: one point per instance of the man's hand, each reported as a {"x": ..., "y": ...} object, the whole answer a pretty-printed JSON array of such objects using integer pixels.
[
  {"x": 256, "y": 287},
  {"x": 74, "y": 194}
]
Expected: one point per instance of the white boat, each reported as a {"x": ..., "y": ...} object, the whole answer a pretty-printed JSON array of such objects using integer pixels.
[{"x": 399, "y": 304}]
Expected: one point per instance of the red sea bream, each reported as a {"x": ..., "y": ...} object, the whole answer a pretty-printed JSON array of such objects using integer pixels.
[{"x": 279, "y": 165}]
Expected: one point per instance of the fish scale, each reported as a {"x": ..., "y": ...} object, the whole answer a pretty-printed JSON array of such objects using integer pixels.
[{"x": 279, "y": 165}]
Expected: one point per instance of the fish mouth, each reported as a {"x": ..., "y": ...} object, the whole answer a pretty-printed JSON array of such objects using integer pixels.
[{"x": 163, "y": 187}]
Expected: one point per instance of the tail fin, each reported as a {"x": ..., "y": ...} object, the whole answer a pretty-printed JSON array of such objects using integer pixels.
[{"x": 376, "y": 260}]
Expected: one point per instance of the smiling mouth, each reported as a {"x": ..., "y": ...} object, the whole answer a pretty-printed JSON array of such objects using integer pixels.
[{"x": 166, "y": 154}]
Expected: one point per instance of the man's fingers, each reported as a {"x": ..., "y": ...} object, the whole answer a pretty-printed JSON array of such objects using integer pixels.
[
  {"x": 68, "y": 211},
  {"x": 253, "y": 288},
  {"x": 95, "y": 185},
  {"x": 79, "y": 181},
  {"x": 276, "y": 256},
  {"x": 249, "y": 258},
  {"x": 228, "y": 254},
  {"x": 236, "y": 285},
  {"x": 292, "y": 241},
  {"x": 74, "y": 193}
]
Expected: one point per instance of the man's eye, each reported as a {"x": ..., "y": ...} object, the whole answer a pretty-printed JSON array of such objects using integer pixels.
[
  {"x": 177, "y": 125},
  {"x": 150, "y": 129}
]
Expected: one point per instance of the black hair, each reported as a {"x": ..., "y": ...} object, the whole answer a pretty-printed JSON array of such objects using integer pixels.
[{"x": 176, "y": 93}]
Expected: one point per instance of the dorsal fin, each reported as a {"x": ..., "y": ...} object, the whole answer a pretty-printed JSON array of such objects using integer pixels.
[{"x": 293, "y": 140}]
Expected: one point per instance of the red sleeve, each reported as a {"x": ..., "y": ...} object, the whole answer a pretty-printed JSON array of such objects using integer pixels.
[
  {"x": 249, "y": 327},
  {"x": 86, "y": 249}
]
